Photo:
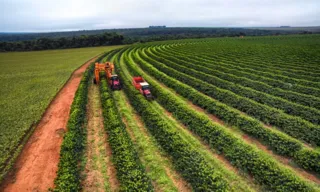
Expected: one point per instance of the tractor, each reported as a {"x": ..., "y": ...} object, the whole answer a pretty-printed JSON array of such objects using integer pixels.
[
  {"x": 140, "y": 84},
  {"x": 108, "y": 68}
]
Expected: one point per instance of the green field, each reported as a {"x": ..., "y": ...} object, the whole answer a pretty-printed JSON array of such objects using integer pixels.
[
  {"x": 29, "y": 81},
  {"x": 254, "y": 101},
  {"x": 228, "y": 114}
]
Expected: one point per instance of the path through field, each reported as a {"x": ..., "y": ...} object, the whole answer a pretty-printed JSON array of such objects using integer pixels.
[
  {"x": 35, "y": 169},
  {"x": 100, "y": 174}
]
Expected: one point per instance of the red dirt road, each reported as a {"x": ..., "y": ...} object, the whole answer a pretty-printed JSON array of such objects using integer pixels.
[{"x": 36, "y": 167}]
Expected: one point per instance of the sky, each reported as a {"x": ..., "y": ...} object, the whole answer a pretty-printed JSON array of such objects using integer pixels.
[{"x": 66, "y": 15}]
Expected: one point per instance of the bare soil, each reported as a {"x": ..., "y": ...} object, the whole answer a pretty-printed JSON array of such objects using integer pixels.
[
  {"x": 99, "y": 168},
  {"x": 36, "y": 166}
]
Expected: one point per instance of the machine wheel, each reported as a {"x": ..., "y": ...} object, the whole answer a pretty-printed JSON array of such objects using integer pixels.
[{"x": 94, "y": 81}]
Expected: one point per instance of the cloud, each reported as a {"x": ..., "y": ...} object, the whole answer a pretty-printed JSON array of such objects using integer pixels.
[{"x": 56, "y": 15}]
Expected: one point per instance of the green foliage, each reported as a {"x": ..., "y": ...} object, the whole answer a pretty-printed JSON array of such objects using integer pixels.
[
  {"x": 284, "y": 55},
  {"x": 308, "y": 159},
  {"x": 263, "y": 168},
  {"x": 29, "y": 81},
  {"x": 237, "y": 85},
  {"x": 130, "y": 171},
  {"x": 188, "y": 162},
  {"x": 45, "y": 43},
  {"x": 277, "y": 141},
  {"x": 240, "y": 75},
  {"x": 68, "y": 175},
  {"x": 293, "y": 126},
  {"x": 147, "y": 148}
]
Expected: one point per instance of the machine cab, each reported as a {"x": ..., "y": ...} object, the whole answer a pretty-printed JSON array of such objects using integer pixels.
[
  {"x": 145, "y": 89},
  {"x": 114, "y": 78},
  {"x": 144, "y": 86},
  {"x": 114, "y": 82}
]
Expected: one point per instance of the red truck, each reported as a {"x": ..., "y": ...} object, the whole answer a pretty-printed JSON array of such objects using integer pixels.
[{"x": 140, "y": 84}]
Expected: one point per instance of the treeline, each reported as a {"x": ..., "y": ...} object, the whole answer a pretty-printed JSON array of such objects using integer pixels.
[
  {"x": 63, "y": 42},
  {"x": 142, "y": 33},
  {"x": 76, "y": 39}
]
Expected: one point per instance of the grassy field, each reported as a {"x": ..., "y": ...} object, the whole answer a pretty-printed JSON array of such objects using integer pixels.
[{"x": 28, "y": 82}]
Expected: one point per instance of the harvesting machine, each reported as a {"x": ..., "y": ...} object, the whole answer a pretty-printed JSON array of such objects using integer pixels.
[
  {"x": 144, "y": 88},
  {"x": 113, "y": 79}
]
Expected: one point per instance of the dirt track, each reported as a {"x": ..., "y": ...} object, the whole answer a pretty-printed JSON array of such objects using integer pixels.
[
  {"x": 100, "y": 173},
  {"x": 36, "y": 167}
]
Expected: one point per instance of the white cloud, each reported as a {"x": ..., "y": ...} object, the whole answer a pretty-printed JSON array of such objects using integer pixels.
[{"x": 54, "y": 15}]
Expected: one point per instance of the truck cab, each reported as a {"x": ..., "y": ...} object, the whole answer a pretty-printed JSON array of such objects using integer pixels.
[
  {"x": 114, "y": 82},
  {"x": 145, "y": 90}
]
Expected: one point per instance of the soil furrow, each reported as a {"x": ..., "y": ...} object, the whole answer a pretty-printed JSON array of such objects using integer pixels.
[{"x": 100, "y": 174}]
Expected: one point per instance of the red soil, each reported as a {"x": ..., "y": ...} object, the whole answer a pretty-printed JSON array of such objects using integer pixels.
[{"x": 36, "y": 167}]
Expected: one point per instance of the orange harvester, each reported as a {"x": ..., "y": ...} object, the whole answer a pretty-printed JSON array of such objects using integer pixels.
[{"x": 113, "y": 79}]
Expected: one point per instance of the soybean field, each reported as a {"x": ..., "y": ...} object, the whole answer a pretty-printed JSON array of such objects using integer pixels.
[{"x": 29, "y": 81}]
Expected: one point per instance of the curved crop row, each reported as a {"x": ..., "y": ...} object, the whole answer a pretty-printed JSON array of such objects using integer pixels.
[
  {"x": 246, "y": 79},
  {"x": 256, "y": 63},
  {"x": 265, "y": 170},
  {"x": 186, "y": 160},
  {"x": 68, "y": 174},
  {"x": 213, "y": 77},
  {"x": 293, "y": 126},
  {"x": 291, "y": 61},
  {"x": 130, "y": 171},
  {"x": 230, "y": 59},
  {"x": 305, "y": 87},
  {"x": 277, "y": 141}
]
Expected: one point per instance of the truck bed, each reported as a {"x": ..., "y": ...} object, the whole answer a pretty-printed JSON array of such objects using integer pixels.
[{"x": 136, "y": 82}]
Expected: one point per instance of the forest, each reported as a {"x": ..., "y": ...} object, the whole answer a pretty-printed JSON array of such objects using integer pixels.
[{"x": 92, "y": 38}]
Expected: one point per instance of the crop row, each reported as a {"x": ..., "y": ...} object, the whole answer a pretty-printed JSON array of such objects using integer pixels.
[
  {"x": 68, "y": 175},
  {"x": 110, "y": 55},
  {"x": 277, "y": 141},
  {"x": 302, "y": 86},
  {"x": 255, "y": 62},
  {"x": 213, "y": 77},
  {"x": 245, "y": 79},
  {"x": 279, "y": 62},
  {"x": 230, "y": 58},
  {"x": 130, "y": 171},
  {"x": 186, "y": 160},
  {"x": 293, "y": 126},
  {"x": 264, "y": 170}
]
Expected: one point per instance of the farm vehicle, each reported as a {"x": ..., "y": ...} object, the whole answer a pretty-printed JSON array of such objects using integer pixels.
[
  {"x": 113, "y": 79},
  {"x": 140, "y": 84}
]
